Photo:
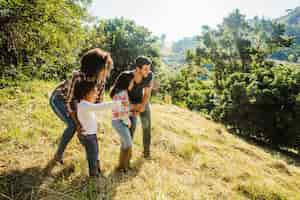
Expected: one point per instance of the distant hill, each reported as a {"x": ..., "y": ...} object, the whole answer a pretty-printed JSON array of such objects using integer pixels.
[
  {"x": 292, "y": 22},
  {"x": 292, "y": 18},
  {"x": 174, "y": 54}
]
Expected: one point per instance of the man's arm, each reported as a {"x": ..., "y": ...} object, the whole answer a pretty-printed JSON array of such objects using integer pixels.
[{"x": 146, "y": 97}]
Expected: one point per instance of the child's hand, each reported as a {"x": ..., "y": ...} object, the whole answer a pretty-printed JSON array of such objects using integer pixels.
[{"x": 134, "y": 113}]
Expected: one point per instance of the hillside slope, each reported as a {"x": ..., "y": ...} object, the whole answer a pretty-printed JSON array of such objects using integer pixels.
[{"x": 193, "y": 158}]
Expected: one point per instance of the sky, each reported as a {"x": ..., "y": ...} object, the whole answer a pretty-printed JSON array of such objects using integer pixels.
[{"x": 184, "y": 18}]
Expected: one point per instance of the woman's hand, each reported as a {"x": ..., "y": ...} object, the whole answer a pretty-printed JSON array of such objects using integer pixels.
[
  {"x": 79, "y": 128},
  {"x": 109, "y": 61}
]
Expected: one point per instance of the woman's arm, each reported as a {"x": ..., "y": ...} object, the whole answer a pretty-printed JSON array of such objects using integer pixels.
[
  {"x": 101, "y": 89},
  {"x": 70, "y": 91}
]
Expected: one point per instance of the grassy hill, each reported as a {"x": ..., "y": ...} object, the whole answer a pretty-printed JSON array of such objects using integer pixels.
[{"x": 193, "y": 158}]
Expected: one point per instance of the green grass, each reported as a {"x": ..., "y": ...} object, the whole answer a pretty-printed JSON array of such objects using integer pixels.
[{"x": 192, "y": 157}]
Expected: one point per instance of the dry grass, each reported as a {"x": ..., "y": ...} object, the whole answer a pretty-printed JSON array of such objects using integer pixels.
[{"x": 192, "y": 158}]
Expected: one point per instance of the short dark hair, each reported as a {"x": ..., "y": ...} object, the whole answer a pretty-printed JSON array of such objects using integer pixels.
[
  {"x": 141, "y": 61},
  {"x": 82, "y": 88},
  {"x": 92, "y": 62}
]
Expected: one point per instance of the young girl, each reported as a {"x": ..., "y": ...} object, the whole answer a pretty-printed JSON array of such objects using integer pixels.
[
  {"x": 86, "y": 92},
  {"x": 121, "y": 121},
  {"x": 95, "y": 65}
]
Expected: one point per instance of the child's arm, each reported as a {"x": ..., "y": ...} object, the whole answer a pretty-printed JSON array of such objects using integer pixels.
[{"x": 101, "y": 106}]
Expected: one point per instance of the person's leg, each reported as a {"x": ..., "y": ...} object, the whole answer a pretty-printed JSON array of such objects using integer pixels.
[
  {"x": 96, "y": 145},
  {"x": 126, "y": 144},
  {"x": 97, "y": 156},
  {"x": 124, "y": 133},
  {"x": 133, "y": 120},
  {"x": 59, "y": 108},
  {"x": 146, "y": 126},
  {"x": 54, "y": 101},
  {"x": 90, "y": 143}
]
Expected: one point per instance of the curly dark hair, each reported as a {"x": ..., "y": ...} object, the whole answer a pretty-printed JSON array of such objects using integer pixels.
[{"x": 82, "y": 88}]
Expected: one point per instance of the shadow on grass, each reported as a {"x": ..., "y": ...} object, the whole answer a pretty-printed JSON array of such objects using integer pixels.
[
  {"x": 290, "y": 156},
  {"x": 24, "y": 184},
  {"x": 105, "y": 187}
]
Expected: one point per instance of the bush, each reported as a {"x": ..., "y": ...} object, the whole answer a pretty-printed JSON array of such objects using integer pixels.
[{"x": 264, "y": 104}]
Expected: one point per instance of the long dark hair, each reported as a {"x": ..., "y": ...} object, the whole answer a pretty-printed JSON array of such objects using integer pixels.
[
  {"x": 122, "y": 83},
  {"x": 92, "y": 62}
]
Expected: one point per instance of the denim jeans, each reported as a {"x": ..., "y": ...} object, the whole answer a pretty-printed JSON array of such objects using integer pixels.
[
  {"x": 124, "y": 132},
  {"x": 90, "y": 143},
  {"x": 146, "y": 126},
  {"x": 58, "y": 106}
]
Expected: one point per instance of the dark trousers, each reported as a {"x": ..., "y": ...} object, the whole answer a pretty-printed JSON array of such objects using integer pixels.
[{"x": 90, "y": 143}]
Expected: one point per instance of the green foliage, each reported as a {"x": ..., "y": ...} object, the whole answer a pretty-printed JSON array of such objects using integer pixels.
[
  {"x": 188, "y": 90},
  {"x": 46, "y": 39},
  {"x": 253, "y": 95},
  {"x": 263, "y": 104},
  {"x": 40, "y": 39},
  {"x": 126, "y": 40}
]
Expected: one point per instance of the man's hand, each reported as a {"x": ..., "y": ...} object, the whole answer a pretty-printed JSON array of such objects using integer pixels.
[
  {"x": 133, "y": 107},
  {"x": 140, "y": 108},
  {"x": 133, "y": 110},
  {"x": 137, "y": 107}
]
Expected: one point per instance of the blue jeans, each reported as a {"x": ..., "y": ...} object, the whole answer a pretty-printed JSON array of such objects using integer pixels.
[
  {"x": 58, "y": 106},
  {"x": 146, "y": 126},
  {"x": 124, "y": 132},
  {"x": 90, "y": 143}
]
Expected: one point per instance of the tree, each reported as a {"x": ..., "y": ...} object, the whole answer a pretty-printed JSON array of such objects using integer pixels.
[
  {"x": 41, "y": 38},
  {"x": 252, "y": 94},
  {"x": 126, "y": 40}
]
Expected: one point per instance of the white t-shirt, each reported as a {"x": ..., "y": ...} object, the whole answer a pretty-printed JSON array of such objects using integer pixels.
[{"x": 87, "y": 116}]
